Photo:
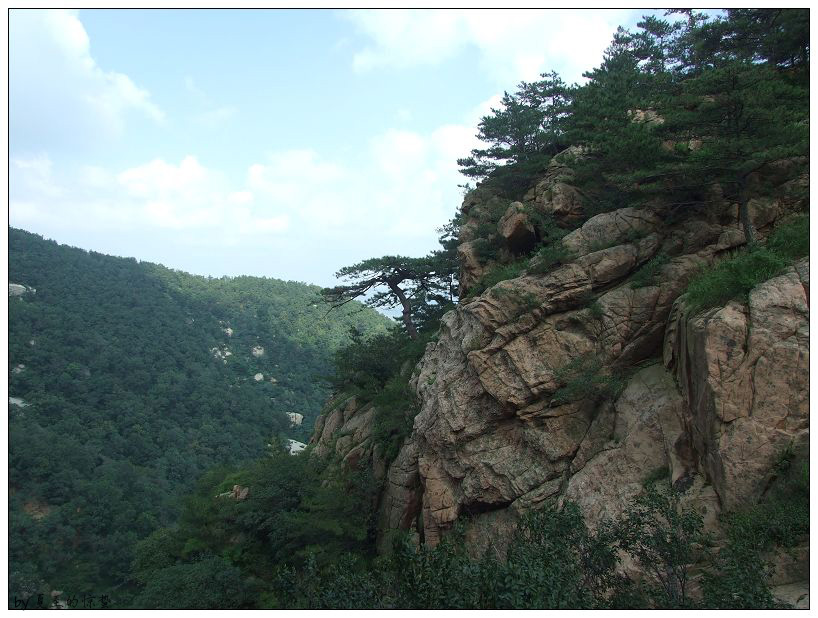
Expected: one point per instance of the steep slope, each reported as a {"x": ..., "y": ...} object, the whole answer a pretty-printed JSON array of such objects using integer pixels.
[
  {"x": 127, "y": 381},
  {"x": 582, "y": 380}
]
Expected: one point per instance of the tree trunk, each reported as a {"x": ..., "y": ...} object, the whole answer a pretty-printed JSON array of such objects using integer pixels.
[
  {"x": 407, "y": 310},
  {"x": 744, "y": 210},
  {"x": 746, "y": 223}
]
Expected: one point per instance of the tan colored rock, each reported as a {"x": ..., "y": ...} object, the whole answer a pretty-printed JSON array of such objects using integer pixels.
[
  {"x": 18, "y": 289},
  {"x": 610, "y": 228},
  {"x": 795, "y": 595},
  {"x": 516, "y": 229},
  {"x": 763, "y": 211},
  {"x": 481, "y": 197},
  {"x": 744, "y": 373},
  {"x": 558, "y": 199},
  {"x": 646, "y": 116},
  {"x": 471, "y": 268},
  {"x": 554, "y": 195},
  {"x": 642, "y": 433}
]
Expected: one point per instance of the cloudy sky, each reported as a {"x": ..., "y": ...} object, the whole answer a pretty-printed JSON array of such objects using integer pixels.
[{"x": 276, "y": 143}]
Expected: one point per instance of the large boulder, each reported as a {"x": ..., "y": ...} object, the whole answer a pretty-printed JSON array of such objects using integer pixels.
[{"x": 517, "y": 230}]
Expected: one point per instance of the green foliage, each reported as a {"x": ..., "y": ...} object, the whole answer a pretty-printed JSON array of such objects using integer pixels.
[
  {"x": 666, "y": 540},
  {"x": 549, "y": 256},
  {"x": 656, "y": 475},
  {"x": 210, "y": 583},
  {"x": 738, "y": 275},
  {"x": 498, "y": 273},
  {"x": 595, "y": 309},
  {"x": 397, "y": 281},
  {"x": 583, "y": 378},
  {"x": 790, "y": 238},
  {"x": 544, "y": 224},
  {"x": 377, "y": 371},
  {"x": 395, "y": 409},
  {"x": 487, "y": 249},
  {"x": 675, "y": 108},
  {"x": 128, "y": 404},
  {"x": 524, "y": 133},
  {"x": 300, "y": 540},
  {"x": 739, "y": 577},
  {"x": 555, "y": 562},
  {"x": 647, "y": 275}
]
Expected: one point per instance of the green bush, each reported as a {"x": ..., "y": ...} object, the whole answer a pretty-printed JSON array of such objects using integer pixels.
[
  {"x": 595, "y": 309},
  {"x": 666, "y": 540},
  {"x": 487, "y": 248},
  {"x": 736, "y": 276},
  {"x": 733, "y": 278},
  {"x": 499, "y": 273},
  {"x": 739, "y": 577},
  {"x": 583, "y": 378},
  {"x": 646, "y": 275},
  {"x": 790, "y": 239},
  {"x": 548, "y": 257},
  {"x": 394, "y": 410}
]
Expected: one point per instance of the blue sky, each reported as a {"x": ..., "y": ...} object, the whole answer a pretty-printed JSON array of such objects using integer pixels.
[{"x": 283, "y": 143}]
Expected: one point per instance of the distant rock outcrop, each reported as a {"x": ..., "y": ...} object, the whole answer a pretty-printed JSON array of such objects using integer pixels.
[
  {"x": 18, "y": 289},
  {"x": 294, "y": 447}
]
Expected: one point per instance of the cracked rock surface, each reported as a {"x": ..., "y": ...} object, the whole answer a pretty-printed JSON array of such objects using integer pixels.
[{"x": 512, "y": 410}]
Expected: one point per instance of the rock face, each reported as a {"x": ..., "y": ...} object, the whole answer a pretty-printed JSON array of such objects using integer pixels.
[
  {"x": 238, "y": 493},
  {"x": 515, "y": 409},
  {"x": 344, "y": 433},
  {"x": 743, "y": 371},
  {"x": 577, "y": 384},
  {"x": 494, "y": 434},
  {"x": 221, "y": 353}
]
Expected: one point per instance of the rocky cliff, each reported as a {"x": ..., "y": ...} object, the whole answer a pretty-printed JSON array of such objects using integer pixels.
[{"x": 579, "y": 381}]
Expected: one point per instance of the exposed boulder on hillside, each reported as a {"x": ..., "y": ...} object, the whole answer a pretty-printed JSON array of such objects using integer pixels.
[
  {"x": 516, "y": 229},
  {"x": 554, "y": 195},
  {"x": 18, "y": 289}
]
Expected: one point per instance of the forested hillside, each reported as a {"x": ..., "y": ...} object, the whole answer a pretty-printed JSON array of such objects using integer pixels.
[{"x": 127, "y": 381}]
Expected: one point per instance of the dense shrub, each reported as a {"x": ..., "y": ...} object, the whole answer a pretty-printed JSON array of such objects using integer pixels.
[{"x": 736, "y": 276}]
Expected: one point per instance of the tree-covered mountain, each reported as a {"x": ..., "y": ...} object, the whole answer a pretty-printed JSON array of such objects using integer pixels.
[{"x": 127, "y": 381}]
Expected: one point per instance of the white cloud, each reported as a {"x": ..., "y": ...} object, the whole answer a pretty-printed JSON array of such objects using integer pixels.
[
  {"x": 155, "y": 196},
  {"x": 295, "y": 209},
  {"x": 58, "y": 94},
  {"x": 513, "y": 44},
  {"x": 217, "y": 117}
]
